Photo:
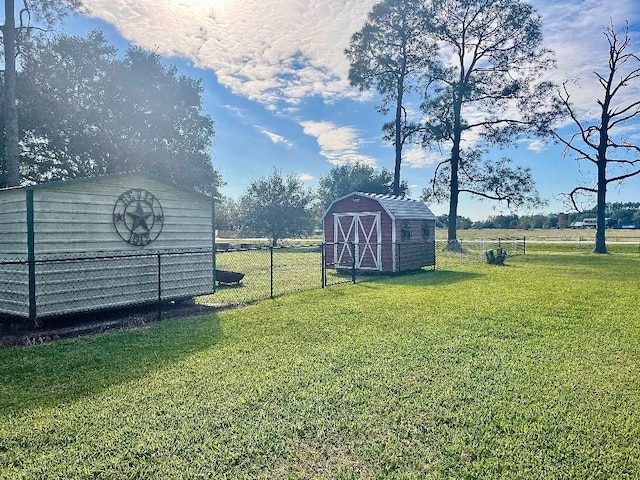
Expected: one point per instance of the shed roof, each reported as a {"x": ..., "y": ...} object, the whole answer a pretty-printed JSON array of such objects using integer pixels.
[
  {"x": 397, "y": 207},
  {"x": 98, "y": 178}
]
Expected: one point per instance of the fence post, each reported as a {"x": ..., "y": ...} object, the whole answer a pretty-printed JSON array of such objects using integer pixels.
[
  {"x": 323, "y": 267},
  {"x": 353, "y": 262},
  {"x": 461, "y": 250},
  {"x": 524, "y": 245},
  {"x": 159, "y": 287},
  {"x": 31, "y": 259},
  {"x": 579, "y": 245},
  {"x": 271, "y": 271}
]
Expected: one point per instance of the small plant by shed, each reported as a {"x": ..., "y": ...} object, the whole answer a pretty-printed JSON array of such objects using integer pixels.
[{"x": 379, "y": 233}]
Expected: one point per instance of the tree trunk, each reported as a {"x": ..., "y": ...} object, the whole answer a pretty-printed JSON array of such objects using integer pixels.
[
  {"x": 398, "y": 137},
  {"x": 601, "y": 244},
  {"x": 11, "y": 152},
  {"x": 454, "y": 187},
  {"x": 452, "y": 234}
]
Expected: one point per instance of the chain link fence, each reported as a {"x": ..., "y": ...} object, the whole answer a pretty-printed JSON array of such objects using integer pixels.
[
  {"x": 54, "y": 286},
  {"x": 247, "y": 273},
  {"x": 582, "y": 245},
  {"x": 468, "y": 251},
  {"x": 66, "y": 284}
]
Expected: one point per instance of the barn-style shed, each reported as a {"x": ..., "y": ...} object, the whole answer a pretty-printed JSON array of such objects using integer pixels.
[
  {"x": 379, "y": 232},
  {"x": 103, "y": 242}
]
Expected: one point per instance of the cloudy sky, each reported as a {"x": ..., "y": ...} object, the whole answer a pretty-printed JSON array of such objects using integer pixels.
[{"x": 275, "y": 79}]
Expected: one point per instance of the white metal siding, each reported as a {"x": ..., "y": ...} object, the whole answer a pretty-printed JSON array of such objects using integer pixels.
[
  {"x": 78, "y": 217},
  {"x": 14, "y": 294},
  {"x": 75, "y": 219},
  {"x": 13, "y": 225}
]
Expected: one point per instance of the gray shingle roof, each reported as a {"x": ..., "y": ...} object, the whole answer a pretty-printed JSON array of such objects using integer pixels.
[{"x": 401, "y": 207}]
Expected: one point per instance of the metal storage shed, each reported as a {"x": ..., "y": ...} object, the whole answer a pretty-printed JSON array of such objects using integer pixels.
[
  {"x": 379, "y": 232},
  {"x": 103, "y": 242}
]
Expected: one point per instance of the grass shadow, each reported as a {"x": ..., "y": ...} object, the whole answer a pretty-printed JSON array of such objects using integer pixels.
[
  {"x": 61, "y": 372},
  {"x": 424, "y": 277}
]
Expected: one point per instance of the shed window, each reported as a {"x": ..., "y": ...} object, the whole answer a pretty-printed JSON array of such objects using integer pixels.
[
  {"x": 426, "y": 230},
  {"x": 406, "y": 231}
]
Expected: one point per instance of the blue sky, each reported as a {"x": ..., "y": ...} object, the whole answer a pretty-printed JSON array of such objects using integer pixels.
[{"x": 275, "y": 83}]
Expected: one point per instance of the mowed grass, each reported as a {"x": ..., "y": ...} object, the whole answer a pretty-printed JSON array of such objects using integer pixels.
[{"x": 523, "y": 371}]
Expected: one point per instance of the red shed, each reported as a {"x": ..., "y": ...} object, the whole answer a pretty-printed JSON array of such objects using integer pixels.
[{"x": 380, "y": 232}]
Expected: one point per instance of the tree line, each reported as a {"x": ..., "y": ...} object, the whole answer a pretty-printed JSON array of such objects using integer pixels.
[
  {"x": 76, "y": 107},
  {"x": 279, "y": 206},
  {"x": 618, "y": 215}
]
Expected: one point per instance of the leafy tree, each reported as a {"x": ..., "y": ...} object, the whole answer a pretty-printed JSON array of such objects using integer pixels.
[
  {"x": 389, "y": 53},
  {"x": 276, "y": 206},
  {"x": 461, "y": 222},
  {"x": 228, "y": 216},
  {"x": 345, "y": 179},
  {"x": 603, "y": 142},
  {"x": 13, "y": 36},
  {"x": 492, "y": 61},
  {"x": 86, "y": 111}
]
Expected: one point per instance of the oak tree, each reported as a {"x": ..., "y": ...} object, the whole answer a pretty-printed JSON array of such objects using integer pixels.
[
  {"x": 277, "y": 206},
  {"x": 17, "y": 27},
  {"x": 86, "y": 110},
  {"x": 342, "y": 180}
]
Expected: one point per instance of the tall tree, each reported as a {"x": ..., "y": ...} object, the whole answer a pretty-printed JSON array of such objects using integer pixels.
[
  {"x": 13, "y": 33},
  {"x": 85, "y": 111},
  {"x": 488, "y": 85},
  {"x": 276, "y": 206},
  {"x": 390, "y": 54},
  {"x": 344, "y": 179},
  {"x": 604, "y": 142}
]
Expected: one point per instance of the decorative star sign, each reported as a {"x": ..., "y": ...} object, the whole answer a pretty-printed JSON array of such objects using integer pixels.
[{"x": 138, "y": 217}]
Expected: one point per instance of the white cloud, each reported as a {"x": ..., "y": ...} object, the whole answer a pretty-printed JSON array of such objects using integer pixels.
[
  {"x": 286, "y": 50},
  {"x": 279, "y": 52},
  {"x": 337, "y": 144},
  {"x": 271, "y": 52},
  {"x": 536, "y": 145},
  {"x": 418, "y": 158},
  {"x": 274, "y": 137},
  {"x": 306, "y": 177},
  {"x": 574, "y": 31}
]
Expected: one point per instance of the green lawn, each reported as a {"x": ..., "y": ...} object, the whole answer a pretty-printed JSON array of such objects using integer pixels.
[{"x": 523, "y": 371}]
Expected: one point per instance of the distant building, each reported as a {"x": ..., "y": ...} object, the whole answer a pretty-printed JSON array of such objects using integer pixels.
[{"x": 589, "y": 223}]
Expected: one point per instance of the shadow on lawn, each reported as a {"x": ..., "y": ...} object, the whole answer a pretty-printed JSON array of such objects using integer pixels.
[
  {"x": 61, "y": 372},
  {"x": 426, "y": 277}
]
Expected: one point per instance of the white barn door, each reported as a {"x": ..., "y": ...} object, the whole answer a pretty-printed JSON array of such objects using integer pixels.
[{"x": 363, "y": 230}]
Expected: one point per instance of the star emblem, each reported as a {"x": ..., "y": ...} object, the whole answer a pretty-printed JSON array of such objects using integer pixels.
[{"x": 139, "y": 218}]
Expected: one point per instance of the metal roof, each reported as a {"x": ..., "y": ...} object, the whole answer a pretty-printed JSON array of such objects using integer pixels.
[
  {"x": 397, "y": 207},
  {"x": 107, "y": 176}
]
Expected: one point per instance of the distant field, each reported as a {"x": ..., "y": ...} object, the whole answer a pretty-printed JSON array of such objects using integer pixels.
[
  {"x": 441, "y": 234},
  {"x": 544, "y": 234}
]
